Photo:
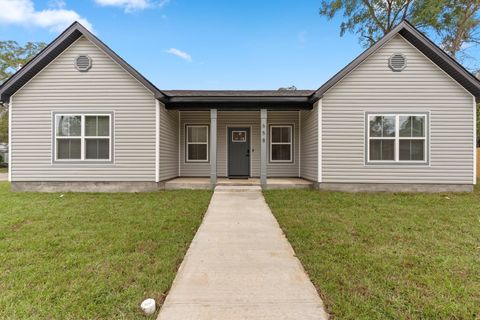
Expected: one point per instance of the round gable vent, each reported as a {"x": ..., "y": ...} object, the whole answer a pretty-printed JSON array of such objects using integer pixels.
[
  {"x": 397, "y": 62},
  {"x": 83, "y": 63}
]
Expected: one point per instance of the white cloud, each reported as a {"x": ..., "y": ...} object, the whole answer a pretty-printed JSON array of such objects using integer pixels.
[
  {"x": 179, "y": 53},
  {"x": 133, "y": 5},
  {"x": 23, "y": 13},
  {"x": 57, "y": 4}
]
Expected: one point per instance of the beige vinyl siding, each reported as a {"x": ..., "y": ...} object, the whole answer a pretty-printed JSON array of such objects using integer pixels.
[
  {"x": 106, "y": 87},
  {"x": 420, "y": 87},
  {"x": 192, "y": 169},
  {"x": 250, "y": 119},
  {"x": 224, "y": 119},
  {"x": 309, "y": 144},
  {"x": 168, "y": 143},
  {"x": 284, "y": 169},
  {"x": 238, "y": 119}
]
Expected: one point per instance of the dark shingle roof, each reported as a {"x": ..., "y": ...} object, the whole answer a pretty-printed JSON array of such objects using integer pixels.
[
  {"x": 240, "y": 98},
  {"x": 422, "y": 43},
  {"x": 56, "y": 47},
  {"x": 238, "y": 93}
]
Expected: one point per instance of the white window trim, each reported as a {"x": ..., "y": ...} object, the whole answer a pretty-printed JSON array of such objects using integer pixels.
[
  {"x": 397, "y": 138},
  {"x": 83, "y": 137},
  {"x": 289, "y": 143},
  {"x": 187, "y": 143}
]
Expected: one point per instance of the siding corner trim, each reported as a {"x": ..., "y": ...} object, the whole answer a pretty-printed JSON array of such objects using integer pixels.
[
  {"x": 474, "y": 141},
  {"x": 157, "y": 140},
  {"x": 10, "y": 149},
  {"x": 319, "y": 138}
]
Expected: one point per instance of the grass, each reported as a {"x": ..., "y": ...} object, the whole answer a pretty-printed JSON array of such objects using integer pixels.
[
  {"x": 387, "y": 256},
  {"x": 91, "y": 256},
  {"x": 3, "y": 170}
]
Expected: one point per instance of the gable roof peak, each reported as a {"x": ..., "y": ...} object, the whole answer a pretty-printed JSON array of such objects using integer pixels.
[
  {"x": 55, "y": 48},
  {"x": 419, "y": 40}
]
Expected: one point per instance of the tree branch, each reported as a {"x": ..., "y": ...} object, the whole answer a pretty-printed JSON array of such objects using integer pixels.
[
  {"x": 371, "y": 10},
  {"x": 405, "y": 11},
  {"x": 396, "y": 16}
]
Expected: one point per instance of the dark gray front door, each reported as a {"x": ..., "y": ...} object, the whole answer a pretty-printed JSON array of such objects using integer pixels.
[{"x": 238, "y": 152}]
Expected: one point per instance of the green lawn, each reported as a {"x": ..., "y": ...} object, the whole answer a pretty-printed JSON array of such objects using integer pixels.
[
  {"x": 3, "y": 170},
  {"x": 91, "y": 256},
  {"x": 387, "y": 256}
]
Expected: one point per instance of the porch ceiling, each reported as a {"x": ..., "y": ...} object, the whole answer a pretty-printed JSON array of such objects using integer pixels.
[{"x": 239, "y": 100}]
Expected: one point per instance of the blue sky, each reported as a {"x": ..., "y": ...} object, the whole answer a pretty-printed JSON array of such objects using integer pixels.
[{"x": 210, "y": 44}]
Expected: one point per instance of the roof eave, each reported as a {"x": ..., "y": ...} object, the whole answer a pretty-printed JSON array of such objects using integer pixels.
[
  {"x": 239, "y": 103},
  {"x": 71, "y": 31},
  {"x": 42, "y": 59},
  {"x": 470, "y": 83},
  {"x": 354, "y": 63},
  {"x": 173, "y": 99}
]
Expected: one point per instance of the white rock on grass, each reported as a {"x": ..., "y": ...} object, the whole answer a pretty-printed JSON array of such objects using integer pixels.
[{"x": 148, "y": 306}]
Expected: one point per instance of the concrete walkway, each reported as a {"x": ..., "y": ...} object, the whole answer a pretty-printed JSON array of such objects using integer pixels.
[{"x": 241, "y": 266}]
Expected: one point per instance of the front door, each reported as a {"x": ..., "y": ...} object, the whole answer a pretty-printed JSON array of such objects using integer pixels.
[{"x": 238, "y": 152}]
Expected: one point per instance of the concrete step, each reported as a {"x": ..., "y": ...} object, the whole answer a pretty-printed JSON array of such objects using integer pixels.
[
  {"x": 204, "y": 183},
  {"x": 230, "y": 188}
]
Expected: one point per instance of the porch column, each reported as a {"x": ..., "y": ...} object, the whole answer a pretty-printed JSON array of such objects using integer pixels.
[
  {"x": 263, "y": 147},
  {"x": 213, "y": 147}
]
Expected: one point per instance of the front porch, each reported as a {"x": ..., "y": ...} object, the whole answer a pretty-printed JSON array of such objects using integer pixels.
[
  {"x": 268, "y": 139},
  {"x": 205, "y": 183}
]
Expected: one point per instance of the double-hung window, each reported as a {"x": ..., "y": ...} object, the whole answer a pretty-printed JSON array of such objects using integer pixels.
[
  {"x": 83, "y": 137},
  {"x": 397, "y": 138},
  {"x": 197, "y": 143},
  {"x": 281, "y": 143}
]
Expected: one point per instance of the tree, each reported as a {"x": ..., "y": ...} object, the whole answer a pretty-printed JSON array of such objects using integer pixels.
[
  {"x": 372, "y": 19},
  {"x": 457, "y": 24},
  {"x": 3, "y": 126},
  {"x": 13, "y": 56}
]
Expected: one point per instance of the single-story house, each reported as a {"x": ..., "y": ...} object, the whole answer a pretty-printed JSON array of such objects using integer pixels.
[{"x": 400, "y": 117}]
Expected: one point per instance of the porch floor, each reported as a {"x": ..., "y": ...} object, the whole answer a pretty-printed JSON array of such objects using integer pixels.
[{"x": 204, "y": 183}]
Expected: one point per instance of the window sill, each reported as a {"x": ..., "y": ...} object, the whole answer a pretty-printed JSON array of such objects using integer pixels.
[
  {"x": 281, "y": 162},
  {"x": 67, "y": 162},
  {"x": 401, "y": 163}
]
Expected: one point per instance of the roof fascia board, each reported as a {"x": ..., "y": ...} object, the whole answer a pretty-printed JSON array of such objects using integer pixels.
[
  {"x": 204, "y": 99},
  {"x": 238, "y": 107},
  {"x": 77, "y": 27},
  {"x": 41, "y": 55},
  {"x": 29, "y": 80},
  {"x": 239, "y": 103},
  {"x": 404, "y": 25},
  {"x": 355, "y": 63},
  {"x": 119, "y": 60},
  {"x": 432, "y": 46},
  {"x": 437, "y": 66}
]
